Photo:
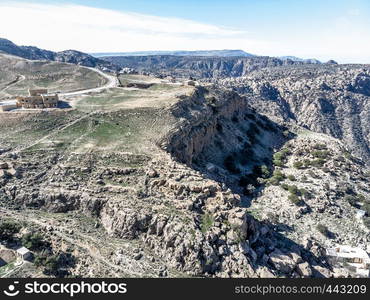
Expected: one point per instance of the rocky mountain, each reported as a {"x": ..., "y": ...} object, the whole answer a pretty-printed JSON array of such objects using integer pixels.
[
  {"x": 331, "y": 99},
  {"x": 222, "y": 53},
  {"x": 68, "y": 56},
  {"x": 199, "y": 67}
]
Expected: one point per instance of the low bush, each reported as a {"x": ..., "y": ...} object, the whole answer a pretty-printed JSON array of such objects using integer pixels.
[
  {"x": 277, "y": 177},
  {"x": 33, "y": 241},
  {"x": 280, "y": 158},
  {"x": 207, "y": 222},
  {"x": 294, "y": 199},
  {"x": 8, "y": 229},
  {"x": 320, "y": 154},
  {"x": 318, "y": 162},
  {"x": 319, "y": 146},
  {"x": 292, "y": 178},
  {"x": 323, "y": 230},
  {"x": 298, "y": 165}
]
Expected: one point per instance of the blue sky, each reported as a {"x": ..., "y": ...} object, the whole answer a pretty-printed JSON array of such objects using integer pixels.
[{"x": 325, "y": 30}]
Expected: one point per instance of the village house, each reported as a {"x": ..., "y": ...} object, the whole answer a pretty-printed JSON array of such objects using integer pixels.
[
  {"x": 24, "y": 254},
  {"x": 38, "y": 99},
  {"x": 355, "y": 259}
]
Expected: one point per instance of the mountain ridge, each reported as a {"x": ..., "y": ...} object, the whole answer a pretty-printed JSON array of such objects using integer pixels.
[
  {"x": 67, "y": 56},
  {"x": 220, "y": 53}
]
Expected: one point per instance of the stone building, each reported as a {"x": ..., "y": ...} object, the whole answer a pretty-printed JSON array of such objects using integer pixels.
[
  {"x": 353, "y": 258},
  {"x": 38, "y": 99},
  {"x": 24, "y": 253}
]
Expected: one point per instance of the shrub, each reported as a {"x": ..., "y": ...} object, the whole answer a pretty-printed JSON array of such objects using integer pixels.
[
  {"x": 347, "y": 154},
  {"x": 320, "y": 146},
  {"x": 285, "y": 186},
  {"x": 219, "y": 127},
  {"x": 280, "y": 158},
  {"x": 51, "y": 264},
  {"x": 207, "y": 222},
  {"x": 277, "y": 177},
  {"x": 318, "y": 162},
  {"x": 33, "y": 241},
  {"x": 323, "y": 230},
  {"x": 306, "y": 163},
  {"x": 265, "y": 172},
  {"x": 292, "y": 178},
  {"x": 8, "y": 229},
  {"x": 294, "y": 199},
  {"x": 298, "y": 165},
  {"x": 320, "y": 153},
  {"x": 293, "y": 189}
]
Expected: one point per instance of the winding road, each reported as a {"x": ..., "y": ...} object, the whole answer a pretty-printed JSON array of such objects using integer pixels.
[{"x": 112, "y": 82}]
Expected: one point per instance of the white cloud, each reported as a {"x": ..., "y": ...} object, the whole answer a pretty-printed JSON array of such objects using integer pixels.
[{"x": 63, "y": 26}]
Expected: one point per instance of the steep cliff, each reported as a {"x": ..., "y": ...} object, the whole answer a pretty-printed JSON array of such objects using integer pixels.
[{"x": 331, "y": 99}]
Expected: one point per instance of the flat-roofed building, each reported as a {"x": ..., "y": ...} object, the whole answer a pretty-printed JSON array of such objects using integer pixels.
[
  {"x": 24, "y": 253},
  {"x": 39, "y": 98},
  {"x": 355, "y": 258}
]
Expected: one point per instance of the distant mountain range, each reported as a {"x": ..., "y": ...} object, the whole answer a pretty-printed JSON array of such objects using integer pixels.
[
  {"x": 221, "y": 53},
  {"x": 200, "y": 64},
  {"x": 68, "y": 56}
]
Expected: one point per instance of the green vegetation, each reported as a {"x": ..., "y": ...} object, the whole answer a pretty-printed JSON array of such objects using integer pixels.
[
  {"x": 323, "y": 230},
  {"x": 277, "y": 177},
  {"x": 298, "y": 165},
  {"x": 280, "y": 158},
  {"x": 265, "y": 172},
  {"x": 347, "y": 154},
  {"x": 295, "y": 194},
  {"x": 319, "y": 146},
  {"x": 318, "y": 162},
  {"x": 8, "y": 229},
  {"x": 207, "y": 222},
  {"x": 49, "y": 262},
  {"x": 33, "y": 241},
  {"x": 291, "y": 178},
  {"x": 323, "y": 154},
  {"x": 294, "y": 199}
]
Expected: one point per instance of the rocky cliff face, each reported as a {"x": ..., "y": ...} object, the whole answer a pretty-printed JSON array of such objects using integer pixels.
[
  {"x": 332, "y": 99},
  {"x": 199, "y": 67}
]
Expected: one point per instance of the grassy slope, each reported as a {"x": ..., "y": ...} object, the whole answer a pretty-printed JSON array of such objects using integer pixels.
[{"x": 55, "y": 76}]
